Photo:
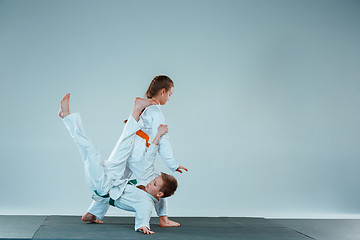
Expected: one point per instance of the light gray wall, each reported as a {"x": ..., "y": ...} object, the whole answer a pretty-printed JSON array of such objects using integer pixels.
[{"x": 265, "y": 111}]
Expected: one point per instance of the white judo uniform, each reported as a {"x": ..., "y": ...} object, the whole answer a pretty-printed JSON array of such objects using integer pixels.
[
  {"x": 109, "y": 178},
  {"x": 150, "y": 120}
]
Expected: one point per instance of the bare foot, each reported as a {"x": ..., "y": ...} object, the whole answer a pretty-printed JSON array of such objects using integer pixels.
[
  {"x": 88, "y": 217},
  {"x": 141, "y": 103},
  {"x": 64, "y": 106},
  {"x": 166, "y": 222}
]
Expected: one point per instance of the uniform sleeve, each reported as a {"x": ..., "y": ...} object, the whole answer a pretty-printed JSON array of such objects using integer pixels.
[
  {"x": 149, "y": 159},
  {"x": 161, "y": 207},
  {"x": 143, "y": 215},
  {"x": 165, "y": 150}
]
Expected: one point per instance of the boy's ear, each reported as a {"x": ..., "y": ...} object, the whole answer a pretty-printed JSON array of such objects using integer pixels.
[{"x": 160, "y": 194}]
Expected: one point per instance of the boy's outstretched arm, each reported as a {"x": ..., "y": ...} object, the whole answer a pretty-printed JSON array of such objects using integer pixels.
[{"x": 142, "y": 217}]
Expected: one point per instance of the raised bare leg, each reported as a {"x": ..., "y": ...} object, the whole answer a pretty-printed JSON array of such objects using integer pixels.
[
  {"x": 139, "y": 105},
  {"x": 88, "y": 217},
  {"x": 64, "y": 106}
]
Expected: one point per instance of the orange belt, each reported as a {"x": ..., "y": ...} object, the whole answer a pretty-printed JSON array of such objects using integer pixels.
[{"x": 143, "y": 135}]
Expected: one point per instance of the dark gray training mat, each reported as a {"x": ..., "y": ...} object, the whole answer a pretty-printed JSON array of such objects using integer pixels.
[{"x": 71, "y": 227}]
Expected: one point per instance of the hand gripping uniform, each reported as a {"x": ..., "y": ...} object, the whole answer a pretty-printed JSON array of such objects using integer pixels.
[{"x": 150, "y": 120}]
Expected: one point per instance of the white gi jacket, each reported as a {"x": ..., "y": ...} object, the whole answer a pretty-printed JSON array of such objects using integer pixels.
[{"x": 149, "y": 122}]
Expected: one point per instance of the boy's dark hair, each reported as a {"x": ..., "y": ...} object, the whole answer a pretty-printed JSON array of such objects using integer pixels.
[
  {"x": 170, "y": 185},
  {"x": 158, "y": 83}
]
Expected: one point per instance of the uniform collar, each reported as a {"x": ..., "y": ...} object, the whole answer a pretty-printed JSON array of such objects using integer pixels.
[
  {"x": 158, "y": 103},
  {"x": 148, "y": 194},
  {"x": 152, "y": 197}
]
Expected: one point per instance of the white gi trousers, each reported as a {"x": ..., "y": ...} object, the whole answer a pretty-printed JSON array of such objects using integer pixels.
[{"x": 104, "y": 176}]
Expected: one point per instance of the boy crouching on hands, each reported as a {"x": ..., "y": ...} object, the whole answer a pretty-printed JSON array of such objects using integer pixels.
[{"x": 106, "y": 178}]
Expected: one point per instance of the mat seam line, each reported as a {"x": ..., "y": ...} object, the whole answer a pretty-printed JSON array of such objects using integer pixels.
[
  {"x": 40, "y": 227},
  {"x": 302, "y": 233}
]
